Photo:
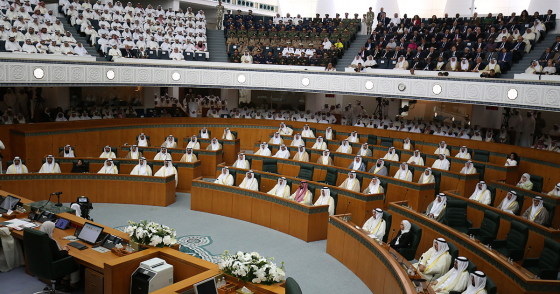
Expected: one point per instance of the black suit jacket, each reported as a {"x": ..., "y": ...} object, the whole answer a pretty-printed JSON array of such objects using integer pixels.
[
  {"x": 405, "y": 241},
  {"x": 56, "y": 253}
]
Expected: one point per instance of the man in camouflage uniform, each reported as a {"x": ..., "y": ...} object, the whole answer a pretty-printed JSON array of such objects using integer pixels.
[
  {"x": 220, "y": 14},
  {"x": 370, "y": 16}
]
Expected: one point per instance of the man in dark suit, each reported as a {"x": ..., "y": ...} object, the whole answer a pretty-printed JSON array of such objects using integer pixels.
[
  {"x": 427, "y": 65},
  {"x": 549, "y": 20},
  {"x": 517, "y": 49},
  {"x": 459, "y": 44},
  {"x": 492, "y": 35},
  {"x": 127, "y": 52},
  {"x": 477, "y": 34},
  {"x": 420, "y": 54},
  {"x": 492, "y": 54},
  {"x": 380, "y": 14},
  {"x": 556, "y": 45},
  {"x": 383, "y": 20},
  {"x": 431, "y": 54},
  {"x": 467, "y": 54},
  {"x": 475, "y": 19},
  {"x": 443, "y": 54},
  {"x": 477, "y": 65},
  {"x": 141, "y": 53},
  {"x": 504, "y": 58},
  {"x": 478, "y": 54},
  {"x": 408, "y": 55},
  {"x": 445, "y": 45},
  {"x": 504, "y": 44},
  {"x": 454, "y": 53},
  {"x": 548, "y": 54}
]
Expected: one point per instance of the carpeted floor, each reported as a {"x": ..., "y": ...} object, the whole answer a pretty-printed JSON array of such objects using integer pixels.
[{"x": 207, "y": 236}]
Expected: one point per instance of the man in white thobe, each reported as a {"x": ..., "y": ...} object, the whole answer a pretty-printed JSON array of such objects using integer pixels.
[
  {"x": 107, "y": 153},
  {"x": 527, "y": 131},
  {"x": 50, "y": 166},
  {"x": 163, "y": 154},
  {"x": 456, "y": 279},
  {"x": 142, "y": 169},
  {"x": 281, "y": 189},
  {"x": 17, "y": 167},
  {"x": 108, "y": 168},
  {"x": 166, "y": 170},
  {"x": 225, "y": 178},
  {"x": 375, "y": 225},
  {"x": 435, "y": 262},
  {"x": 249, "y": 182}
]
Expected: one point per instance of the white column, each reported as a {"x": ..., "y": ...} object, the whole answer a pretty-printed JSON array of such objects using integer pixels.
[{"x": 232, "y": 96}]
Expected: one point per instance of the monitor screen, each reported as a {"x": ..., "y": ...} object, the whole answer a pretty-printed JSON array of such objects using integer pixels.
[
  {"x": 206, "y": 287},
  {"x": 90, "y": 233},
  {"x": 62, "y": 223},
  {"x": 83, "y": 199},
  {"x": 9, "y": 202}
]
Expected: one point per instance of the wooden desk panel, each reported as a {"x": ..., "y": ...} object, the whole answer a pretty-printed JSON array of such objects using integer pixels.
[
  {"x": 304, "y": 222},
  {"x": 230, "y": 147},
  {"x": 508, "y": 278},
  {"x": 103, "y": 188}
]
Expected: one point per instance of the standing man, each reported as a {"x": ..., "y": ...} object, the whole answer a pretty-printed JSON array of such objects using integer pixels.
[
  {"x": 540, "y": 124},
  {"x": 220, "y": 15},
  {"x": 527, "y": 131},
  {"x": 369, "y": 20},
  {"x": 516, "y": 123}
]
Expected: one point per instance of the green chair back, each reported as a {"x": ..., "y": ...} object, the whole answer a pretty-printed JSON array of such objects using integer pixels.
[
  {"x": 372, "y": 139},
  {"x": 492, "y": 194},
  {"x": 306, "y": 172},
  {"x": 386, "y": 142},
  {"x": 471, "y": 268},
  {"x": 516, "y": 240},
  {"x": 409, "y": 253},
  {"x": 537, "y": 183},
  {"x": 437, "y": 179},
  {"x": 151, "y": 165},
  {"x": 388, "y": 218},
  {"x": 489, "y": 227},
  {"x": 234, "y": 133},
  {"x": 270, "y": 165},
  {"x": 454, "y": 252},
  {"x": 331, "y": 176},
  {"x": 550, "y": 255},
  {"x": 481, "y": 155},
  {"x": 490, "y": 287},
  {"x": 292, "y": 287},
  {"x": 456, "y": 215},
  {"x": 117, "y": 164},
  {"x": 334, "y": 195},
  {"x": 39, "y": 257},
  {"x": 550, "y": 208},
  {"x": 480, "y": 169}
]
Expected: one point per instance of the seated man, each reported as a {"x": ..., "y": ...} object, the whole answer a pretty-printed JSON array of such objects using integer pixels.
[
  {"x": 241, "y": 162},
  {"x": 416, "y": 159},
  {"x": 263, "y": 150},
  {"x": 436, "y": 209},
  {"x": 555, "y": 191},
  {"x": 225, "y": 178},
  {"x": 17, "y": 167},
  {"x": 134, "y": 153},
  {"x": 163, "y": 154},
  {"x": 107, "y": 153},
  {"x": 469, "y": 168},
  {"x": 353, "y": 138},
  {"x": 379, "y": 168},
  {"x": 456, "y": 279},
  {"x": 374, "y": 187},
  {"x": 276, "y": 139},
  {"x": 204, "y": 134},
  {"x": 249, "y": 182},
  {"x": 525, "y": 182},
  {"x": 344, "y": 147},
  {"x": 319, "y": 144},
  {"x": 281, "y": 189},
  {"x": 50, "y": 166},
  {"x": 228, "y": 135},
  {"x": 326, "y": 199},
  {"x": 143, "y": 141},
  {"x": 302, "y": 194},
  {"x": 283, "y": 152},
  {"x": 193, "y": 143},
  {"x": 307, "y": 132},
  {"x": 284, "y": 130},
  {"x": 365, "y": 151},
  {"x": 403, "y": 173},
  {"x": 441, "y": 163},
  {"x": 427, "y": 177},
  {"x": 351, "y": 183},
  {"x": 481, "y": 194},
  {"x": 442, "y": 149},
  {"x": 391, "y": 155},
  {"x": 214, "y": 145},
  {"x": 463, "y": 152},
  {"x": 325, "y": 159},
  {"x": 358, "y": 164},
  {"x": 435, "y": 262},
  {"x": 108, "y": 168},
  {"x": 169, "y": 142},
  {"x": 168, "y": 169},
  {"x": 67, "y": 152},
  {"x": 375, "y": 225},
  {"x": 402, "y": 64},
  {"x": 189, "y": 156},
  {"x": 509, "y": 203},
  {"x": 477, "y": 283},
  {"x": 536, "y": 212},
  {"x": 301, "y": 155},
  {"x": 142, "y": 168},
  {"x": 297, "y": 141}
]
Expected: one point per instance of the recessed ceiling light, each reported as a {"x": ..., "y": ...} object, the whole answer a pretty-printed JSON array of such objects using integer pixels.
[
  {"x": 241, "y": 78},
  {"x": 305, "y": 82},
  {"x": 512, "y": 94},
  {"x": 369, "y": 85},
  {"x": 436, "y": 89},
  {"x": 110, "y": 74},
  {"x": 38, "y": 73},
  {"x": 176, "y": 76}
]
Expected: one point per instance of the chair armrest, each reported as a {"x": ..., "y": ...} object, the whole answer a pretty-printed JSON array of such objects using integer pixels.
[
  {"x": 64, "y": 266},
  {"x": 530, "y": 262},
  {"x": 473, "y": 231},
  {"x": 499, "y": 243},
  {"x": 548, "y": 274},
  {"x": 469, "y": 224},
  {"x": 516, "y": 254}
]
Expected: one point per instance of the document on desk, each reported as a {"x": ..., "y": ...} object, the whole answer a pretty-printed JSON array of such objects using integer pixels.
[{"x": 18, "y": 223}]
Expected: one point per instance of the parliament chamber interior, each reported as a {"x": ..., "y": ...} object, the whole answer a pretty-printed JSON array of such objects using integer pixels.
[{"x": 301, "y": 147}]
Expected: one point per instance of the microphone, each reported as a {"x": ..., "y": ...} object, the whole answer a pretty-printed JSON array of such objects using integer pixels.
[
  {"x": 501, "y": 191},
  {"x": 346, "y": 218},
  {"x": 391, "y": 237},
  {"x": 526, "y": 252},
  {"x": 544, "y": 187},
  {"x": 457, "y": 186},
  {"x": 422, "y": 206},
  {"x": 363, "y": 221},
  {"x": 56, "y": 193}
]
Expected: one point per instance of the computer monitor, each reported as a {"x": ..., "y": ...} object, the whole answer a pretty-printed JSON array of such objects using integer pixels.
[
  {"x": 9, "y": 203},
  {"x": 90, "y": 233},
  {"x": 206, "y": 287}
]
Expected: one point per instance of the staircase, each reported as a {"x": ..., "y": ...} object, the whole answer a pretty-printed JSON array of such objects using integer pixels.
[
  {"x": 90, "y": 49},
  {"x": 535, "y": 53},
  {"x": 351, "y": 53},
  {"x": 216, "y": 45}
]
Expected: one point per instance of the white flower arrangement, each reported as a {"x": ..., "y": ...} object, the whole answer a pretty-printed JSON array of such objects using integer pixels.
[
  {"x": 151, "y": 234},
  {"x": 251, "y": 267}
]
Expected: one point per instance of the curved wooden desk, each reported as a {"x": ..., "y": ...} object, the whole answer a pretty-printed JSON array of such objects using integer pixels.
[
  {"x": 186, "y": 171},
  {"x": 395, "y": 189},
  {"x": 508, "y": 278},
  {"x": 230, "y": 147},
  {"x": 33, "y": 141},
  {"x": 103, "y": 188},
  {"x": 348, "y": 201},
  {"x": 308, "y": 223},
  {"x": 371, "y": 262}
]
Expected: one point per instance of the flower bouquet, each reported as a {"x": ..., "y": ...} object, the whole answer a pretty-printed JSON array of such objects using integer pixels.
[
  {"x": 251, "y": 267},
  {"x": 151, "y": 234}
]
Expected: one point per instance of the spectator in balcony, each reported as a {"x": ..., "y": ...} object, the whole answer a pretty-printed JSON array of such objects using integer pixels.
[
  {"x": 28, "y": 47},
  {"x": 402, "y": 64},
  {"x": 113, "y": 52},
  {"x": 492, "y": 66},
  {"x": 527, "y": 37},
  {"x": 452, "y": 65},
  {"x": 357, "y": 61},
  {"x": 80, "y": 50},
  {"x": 550, "y": 69},
  {"x": 534, "y": 68},
  {"x": 246, "y": 58}
]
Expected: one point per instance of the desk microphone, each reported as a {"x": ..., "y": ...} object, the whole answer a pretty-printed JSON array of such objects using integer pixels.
[
  {"x": 422, "y": 206},
  {"x": 391, "y": 237},
  {"x": 526, "y": 252},
  {"x": 346, "y": 211},
  {"x": 543, "y": 187},
  {"x": 363, "y": 221},
  {"x": 457, "y": 186},
  {"x": 501, "y": 191}
]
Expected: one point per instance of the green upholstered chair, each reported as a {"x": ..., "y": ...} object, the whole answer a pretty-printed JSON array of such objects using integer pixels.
[
  {"x": 514, "y": 244},
  {"x": 372, "y": 139},
  {"x": 39, "y": 259},
  {"x": 330, "y": 177},
  {"x": 151, "y": 165},
  {"x": 258, "y": 178},
  {"x": 488, "y": 228},
  {"x": 208, "y": 131},
  {"x": 306, "y": 172},
  {"x": 550, "y": 208},
  {"x": 292, "y": 287},
  {"x": 334, "y": 195},
  {"x": 492, "y": 195},
  {"x": 480, "y": 169},
  {"x": 537, "y": 183},
  {"x": 387, "y": 142},
  {"x": 437, "y": 179},
  {"x": 84, "y": 163},
  {"x": 118, "y": 165},
  {"x": 481, "y": 155},
  {"x": 388, "y": 218},
  {"x": 454, "y": 252},
  {"x": 270, "y": 166},
  {"x": 546, "y": 266},
  {"x": 409, "y": 253},
  {"x": 490, "y": 287},
  {"x": 234, "y": 133},
  {"x": 456, "y": 215},
  {"x": 233, "y": 173},
  {"x": 422, "y": 155}
]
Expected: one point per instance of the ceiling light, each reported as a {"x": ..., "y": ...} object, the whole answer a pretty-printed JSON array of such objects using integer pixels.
[
  {"x": 436, "y": 89},
  {"x": 369, "y": 85},
  {"x": 38, "y": 73},
  {"x": 241, "y": 78},
  {"x": 110, "y": 74}
]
